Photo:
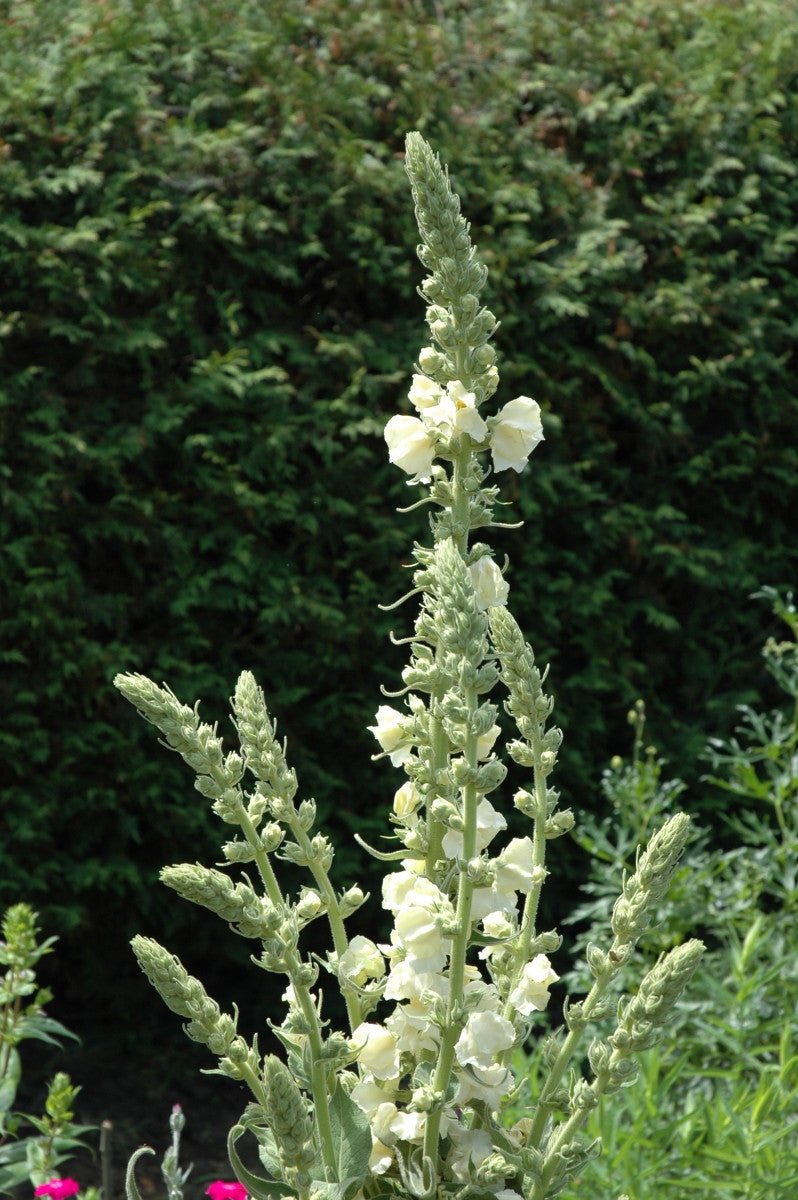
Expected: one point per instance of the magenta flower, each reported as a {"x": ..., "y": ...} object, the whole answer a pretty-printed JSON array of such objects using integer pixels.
[
  {"x": 59, "y": 1189},
  {"x": 219, "y": 1190}
]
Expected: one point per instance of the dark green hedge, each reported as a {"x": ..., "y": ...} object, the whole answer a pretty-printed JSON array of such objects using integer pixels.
[{"x": 208, "y": 313}]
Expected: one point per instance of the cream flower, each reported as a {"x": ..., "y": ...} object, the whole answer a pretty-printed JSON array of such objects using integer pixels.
[
  {"x": 410, "y": 447},
  {"x": 409, "y": 1126},
  {"x": 395, "y": 888},
  {"x": 489, "y": 822},
  {"x": 470, "y": 1148},
  {"x": 376, "y": 1050},
  {"x": 406, "y": 799},
  {"x": 485, "y": 1036},
  {"x": 531, "y": 993},
  {"x": 492, "y": 1084},
  {"x": 456, "y": 413},
  {"x": 515, "y": 432},
  {"x": 369, "y": 1096},
  {"x": 424, "y": 393},
  {"x": 390, "y": 733},
  {"x": 487, "y": 741},
  {"x": 361, "y": 961},
  {"x": 490, "y": 586},
  {"x": 419, "y": 933},
  {"x": 515, "y": 868}
]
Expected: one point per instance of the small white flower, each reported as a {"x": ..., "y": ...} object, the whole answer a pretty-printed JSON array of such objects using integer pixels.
[
  {"x": 414, "y": 1030},
  {"x": 309, "y": 905},
  {"x": 515, "y": 869},
  {"x": 395, "y": 887},
  {"x": 406, "y": 800},
  {"x": 369, "y": 1096},
  {"x": 424, "y": 393},
  {"x": 487, "y": 741},
  {"x": 418, "y": 930},
  {"x": 376, "y": 1050},
  {"x": 531, "y": 993},
  {"x": 390, "y": 733},
  {"x": 470, "y": 1148},
  {"x": 361, "y": 961},
  {"x": 490, "y": 899},
  {"x": 515, "y": 432},
  {"x": 491, "y": 1086},
  {"x": 490, "y": 586},
  {"x": 489, "y": 822},
  {"x": 410, "y": 447},
  {"x": 466, "y": 419},
  {"x": 496, "y": 924},
  {"x": 409, "y": 1126},
  {"x": 485, "y": 1036}
]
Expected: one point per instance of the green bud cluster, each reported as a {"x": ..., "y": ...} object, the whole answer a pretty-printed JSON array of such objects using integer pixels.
[
  {"x": 185, "y": 995},
  {"x": 459, "y": 325},
  {"x": 286, "y": 1113},
  {"x": 643, "y": 890},
  {"x": 263, "y": 755},
  {"x": 196, "y": 743}
]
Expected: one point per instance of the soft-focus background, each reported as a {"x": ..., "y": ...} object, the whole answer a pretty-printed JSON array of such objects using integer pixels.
[{"x": 208, "y": 313}]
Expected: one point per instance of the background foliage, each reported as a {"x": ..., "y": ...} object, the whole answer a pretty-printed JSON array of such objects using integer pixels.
[{"x": 208, "y": 314}]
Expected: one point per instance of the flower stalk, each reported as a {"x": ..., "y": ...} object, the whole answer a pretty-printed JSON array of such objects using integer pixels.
[{"x": 412, "y": 1103}]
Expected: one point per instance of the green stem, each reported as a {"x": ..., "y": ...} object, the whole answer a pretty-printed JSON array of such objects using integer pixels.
[
  {"x": 457, "y": 958},
  {"x": 318, "y": 1081},
  {"x": 330, "y": 900},
  {"x": 440, "y": 757},
  {"x": 545, "y": 1105}
]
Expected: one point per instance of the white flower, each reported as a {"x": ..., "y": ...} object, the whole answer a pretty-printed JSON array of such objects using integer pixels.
[
  {"x": 489, "y": 899},
  {"x": 496, "y": 924},
  {"x": 414, "y": 1029},
  {"x": 424, "y": 393},
  {"x": 309, "y": 905},
  {"x": 406, "y": 800},
  {"x": 409, "y": 1126},
  {"x": 467, "y": 419},
  {"x": 376, "y": 1050},
  {"x": 410, "y": 447},
  {"x": 369, "y": 1096},
  {"x": 486, "y": 741},
  {"x": 485, "y": 1036},
  {"x": 489, "y": 822},
  {"x": 417, "y": 926},
  {"x": 361, "y": 961},
  {"x": 515, "y": 432},
  {"x": 395, "y": 888},
  {"x": 531, "y": 993},
  {"x": 454, "y": 411},
  {"x": 390, "y": 733},
  {"x": 470, "y": 1148},
  {"x": 490, "y": 586},
  {"x": 515, "y": 869},
  {"x": 419, "y": 933},
  {"x": 492, "y": 1084}
]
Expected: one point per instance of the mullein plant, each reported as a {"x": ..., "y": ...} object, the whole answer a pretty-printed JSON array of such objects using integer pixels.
[{"x": 408, "y": 1099}]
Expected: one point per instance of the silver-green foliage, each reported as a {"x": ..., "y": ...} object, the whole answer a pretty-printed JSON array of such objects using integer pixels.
[{"x": 714, "y": 1109}]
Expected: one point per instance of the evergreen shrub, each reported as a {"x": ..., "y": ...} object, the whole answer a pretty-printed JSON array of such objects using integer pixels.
[{"x": 206, "y": 321}]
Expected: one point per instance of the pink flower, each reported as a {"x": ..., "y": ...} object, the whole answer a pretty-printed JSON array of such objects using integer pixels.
[
  {"x": 59, "y": 1189},
  {"x": 219, "y": 1190}
]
